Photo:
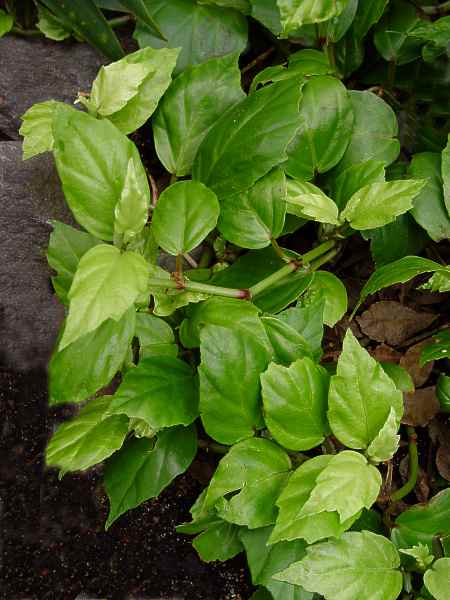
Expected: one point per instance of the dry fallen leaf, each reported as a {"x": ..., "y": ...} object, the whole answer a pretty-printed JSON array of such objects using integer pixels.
[
  {"x": 420, "y": 406},
  {"x": 410, "y": 362},
  {"x": 384, "y": 353},
  {"x": 392, "y": 322},
  {"x": 440, "y": 434}
]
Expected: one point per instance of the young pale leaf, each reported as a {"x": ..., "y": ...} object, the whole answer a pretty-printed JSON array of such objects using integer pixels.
[
  {"x": 421, "y": 553},
  {"x": 36, "y": 128},
  {"x": 437, "y": 579},
  {"x": 251, "y": 219},
  {"x": 249, "y": 139},
  {"x": 88, "y": 438},
  {"x": 6, "y": 22},
  {"x": 264, "y": 561},
  {"x": 307, "y": 200},
  {"x": 352, "y": 179},
  {"x": 155, "y": 336},
  {"x": 439, "y": 282},
  {"x": 65, "y": 248},
  {"x": 92, "y": 159},
  {"x": 445, "y": 171},
  {"x": 115, "y": 85},
  {"x": 295, "y": 404},
  {"x": 295, "y": 13},
  {"x": 399, "y": 271},
  {"x": 219, "y": 541},
  {"x": 105, "y": 285},
  {"x": 167, "y": 301},
  {"x": 143, "y": 468},
  {"x": 361, "y": 396},
  {"x": 131, "y": 212},
  {"x": 161, "y": 390},
  {"x": 291, "y": 524},
  {"x": 346, "y": 485},
  {"x": 334, "y": 294},
  {"x": 374, "y": 131},
  {"x": 202, "y": 32},
  {"x": 184, "y": 215},
  {"x": 288, "y": 345},
  {"x": 326, "y": 120},
  {"x": 229, "y": 382},
  {"x": 359, "y": 566},
  {"x": 379, "y": 203},
  {"x": 90, "y": 363},
  {"x": 257, "y": 469},
  {"x": 191, "y": 106}
]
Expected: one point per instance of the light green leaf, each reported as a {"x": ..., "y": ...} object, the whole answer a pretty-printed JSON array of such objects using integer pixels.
[
  {"x": 91, "y": 361},
  {"x": 379, "y": 203},
  {"x": 310, "y": 62},
  {"x": 326, "y": 120},
  {"x": 439, "y": 282},
  {"x": 6, "y": 23},
  {"x": 264, "y": 561},
  {"x": 161, "y": 390},
  {"x": 374, "y": 131},
  {"x": 257, "y": 469},
  {"x": 229, "y": 382},
  {"x": 143, "y": 468},
  {"x": 307, "y": 200},
  {"x": 429, "y": 209},
  {"x": 421, "y": 553},
  {"x": 399, "y": 376},
  {"x": 50, "y": 26},
  {"x": 352, "y": 179},
  {"x": 399, "y": 271},
  {"x": 393, "y": 34},
  {"x": 167, "y": 301},
  {"x": 184, "y": 215},
  {"x": 131, "y": 212},
  {"x": 445, "y": 171},
  {"x": 155, "y": 336},
  {"x": 346, "y": 485},
  {"x": 291, "y": 524},
  {"x": 244, "y": 144},
  {"x": 219, "y": 541},
  {"x": 88, "y": 438},
  {"x": 334, "y": 294},
  {"x": 92, "y": 159},
  {"x": 66, "y": 246},
  {"x": 105, "y": 285},
  {"x": 201, "y": 31},
  {"x": 36, "y": 128},
  {"x": 437, "y": 579},
  {"x": 295, "y": 404},
  {"x": 295, "y": 13},
  {"x": 191, "y": 106},
  {"x": 251, "y": 219},
  {"x": 359, "y": 566},
  {"x": 361, "y": 396},
  {"x": 148, "y": 75},
  {"x": 385, "y": 444},
  {"x": 288, "y": 345}
]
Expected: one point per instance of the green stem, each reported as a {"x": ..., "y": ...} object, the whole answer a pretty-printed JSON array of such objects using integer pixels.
[
  {"x": 323, "y": 259},
  {"x": 330, "y": 52},
  {"x": 26, "y": 32},
  {"x": 118, "y": 21},
  {"x": 318, "y": 251},
  {"x": 173, "y": 178},
  {"x": 194, "y": 286},
  {"x": 413, "y": 467},
  {"x": 278, "y": 250},
  {"x": 436, "y": 10}
]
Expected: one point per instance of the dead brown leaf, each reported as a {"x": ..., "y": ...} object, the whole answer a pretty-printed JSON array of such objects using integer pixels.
[
  {"x": 440, "y": 434},
  {"x": 392, "y": 322},
  {"x": 410, "y": 362},
  {"x": 420, "y": 406},
  {"x": 384, "y": 353}
]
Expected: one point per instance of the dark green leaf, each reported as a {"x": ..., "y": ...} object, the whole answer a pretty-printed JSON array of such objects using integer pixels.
[
  {"x": 287, "y": 343},
  {"x": 267, "y": 13},
  {"x": 309, "y": 62},
  {"x": 336, "y": 27},
  {"x": 140, "y": 9},
  {"x": 349, "y": 53},
  {"x": 220, "y": 541},
  {"x": 368, "y": 14},
  {"x": 439, "y": 348},
  {"x": 307, "y": 319},
  {"x": 332, "y": 290},
  {"x": 445, "y": 172},
  {"x": 352, "y": 179},
  {"x": 155, "y": 336},
  {"x": 393, "y": 37},
  {"x": 443, "y": 392}
]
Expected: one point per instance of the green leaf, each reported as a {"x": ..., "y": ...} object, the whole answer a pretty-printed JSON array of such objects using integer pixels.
[
  {"x": 399, "y": 271},
  {"x": 445, "y": 171},
  {"x": 184, "y": 215},
  {"x": 377, "y": 204},
  {"x": 335, "y": 28},
  {"x": 359, "y": 566},
  {"x": 191, "y": 106},
  {"x": 92, "y": 159},
  {"x": 255, "y": 471},
  {"x": 443, "y": 392},
  {"x": 295, "y": 13},
  {"x": 202, "y": 32},
  {"x": 66, "y": 246},
  {"x": 385, "y": 444},
  {"x": 167, "y": 301},
  {"x": 361, "y": 396},
  {"x": 229, "y": 382},
  {"x": 285, "y": 291},
  {"x": 242, "y": 5},
  {"x": 105, "y": 285},
  {"x": 439, "y": 282},
  {"x": 50, "y": 26},
  {"x": 288, "y": 345},
  {"x": 264, "y": 561},
  {"x": 140, "y": 9},
  {"x": 346, "y": 485},
  {"x": 91, "y": 362},
  {"x": 143, "y": 468},
  {"x": 326, "y": 120},
  {"x": 249, "y": 140},
  {"x": 429, "y": 209},
  {"x": 291, "y": 524},
  {"x": 392, "y": 36},
  {"x": 220, "y": 541},
  {"x": 161, "y": 390},
  {"x": 421, "y": 553},
  {"x": 87, "y": 439},
  {"x": 131, "y": 212},
  {"x": 352, "y": 179},
  {"x": 374, "y": 131},
  {"x": 295, "y": 404},
  {"x": 440, "y": 348},
  {"x": 310, "y": 62},
  {"x": 437, "y": 579},
  {"x": 399, "y": 376},
  {"x": 368, "y": 14},
  {"x": 333, "y": 292},
  {"x": 36, "y": 128},
  {"x": 307, "y": 200},
  {"x": 307, "y": 319},
  {"x": 251, "y": 219},
  {"x": 155, "y": 336},
  {"x": 421, "y": 523},
  {"x": 6, "y": 23},
  {"x": 115, "y": 85}
]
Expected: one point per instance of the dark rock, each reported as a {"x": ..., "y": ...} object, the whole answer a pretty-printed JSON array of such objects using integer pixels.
[
  {"x": 30, "y": 315},
  {"x": 34, "y": 70}
]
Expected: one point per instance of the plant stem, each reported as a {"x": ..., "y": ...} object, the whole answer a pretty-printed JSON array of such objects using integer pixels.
[
  {"x": 173, "y": 178},
  {"x": 323, "y": 259},
  {"x": 413, "y": 467},
  {"x": 330, "y": 52},
  {"x": 118, "y": 21},
  {"x": 259, "y": 59},
  {"x": 318, "y": 251},
  {"x": 436, "y": 10},
  {"x": 279, "y": 251},
  {"x": 194, "y": 286}
]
